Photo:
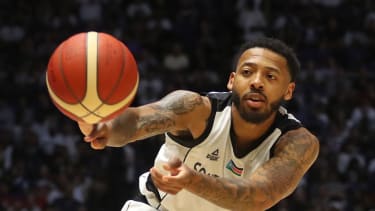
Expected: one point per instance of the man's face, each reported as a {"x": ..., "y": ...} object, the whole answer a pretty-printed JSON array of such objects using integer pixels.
[{"x": 260, "y": 84}]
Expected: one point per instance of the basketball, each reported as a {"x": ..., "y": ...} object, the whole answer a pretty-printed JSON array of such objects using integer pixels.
[{"x": 92, "y": 77}]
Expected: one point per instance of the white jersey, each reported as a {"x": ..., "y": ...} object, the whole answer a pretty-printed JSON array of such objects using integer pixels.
[{"x": 212, "y": 154}]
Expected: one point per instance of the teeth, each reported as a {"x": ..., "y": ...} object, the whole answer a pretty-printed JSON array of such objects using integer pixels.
[{"x": 255, "y": 97}]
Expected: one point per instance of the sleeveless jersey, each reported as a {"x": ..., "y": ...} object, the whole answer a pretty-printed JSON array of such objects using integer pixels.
[{"x": 212, "y": 154}]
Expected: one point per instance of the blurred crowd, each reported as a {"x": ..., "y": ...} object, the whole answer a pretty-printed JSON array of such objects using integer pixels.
[{"x": 185, "y": 44}]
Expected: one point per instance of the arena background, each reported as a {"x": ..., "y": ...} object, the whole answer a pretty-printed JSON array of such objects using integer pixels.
[{"x": 186, "y": 44}]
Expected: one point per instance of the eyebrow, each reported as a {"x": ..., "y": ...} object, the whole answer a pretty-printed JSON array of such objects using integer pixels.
[{"x": 251, "y": 64}]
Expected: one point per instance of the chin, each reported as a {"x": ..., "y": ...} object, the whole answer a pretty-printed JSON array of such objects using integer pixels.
[{"x": 255, "y": 116}]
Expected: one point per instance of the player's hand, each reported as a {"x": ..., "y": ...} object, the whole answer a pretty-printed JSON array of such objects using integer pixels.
[
  {"x": 179, "y": 178},
  {"x": 95, "y": 134}
]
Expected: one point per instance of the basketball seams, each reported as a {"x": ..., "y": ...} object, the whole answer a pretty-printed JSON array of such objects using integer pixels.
[
  {"x": 114, "y": 88},
  {"x": 63, "y": 76},
  {"x": 70, "y": 89},
  {"x": 124, "y": 103},
  {"x": 68, "y": 109},
  {"x": 103, "y": 103},
  {"x": 97, "y": 67},
  {"x": 97, "y": 78},
  {"x": 92, "y": 112},
  {"x": 117, "y": 83},
  {"x": 93, "y": 107},
  {"x": 86, "y": 77}
]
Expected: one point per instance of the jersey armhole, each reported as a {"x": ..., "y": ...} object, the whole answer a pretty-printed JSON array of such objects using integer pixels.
[{"x": 188, "y": 142}]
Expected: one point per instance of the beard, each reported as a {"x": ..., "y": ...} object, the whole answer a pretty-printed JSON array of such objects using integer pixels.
[{"x": 255, "y": 116}]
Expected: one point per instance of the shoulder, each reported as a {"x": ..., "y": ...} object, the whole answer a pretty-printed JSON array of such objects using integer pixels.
[
  {"x": 183, "y": 101},
  {"x": 190, "y": 110},
  {"x": 299, "y": 144}
]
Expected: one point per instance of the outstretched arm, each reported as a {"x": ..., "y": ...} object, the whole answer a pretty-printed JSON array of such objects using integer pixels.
[
  {"x": 295, "y": 152},
  {"x": 178, "y": 111}
]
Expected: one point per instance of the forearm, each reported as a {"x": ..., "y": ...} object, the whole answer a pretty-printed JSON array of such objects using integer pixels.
[
  {"x": 123, "y": 129},
  {"x": 231, "y": 194},
  {"x": 270, "y": 183},
  {"x": 131, "y": 126}
]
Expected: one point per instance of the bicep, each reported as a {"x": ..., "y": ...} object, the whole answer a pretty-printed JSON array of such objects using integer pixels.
[
  {"x": 278, "y": 177},
  {"x": 174, "y": 112}
]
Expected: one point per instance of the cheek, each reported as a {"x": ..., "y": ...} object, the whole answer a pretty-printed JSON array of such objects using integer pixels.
[
  {"x": 276, "y": 93},
  {"x": 240, "y": 88},
  {"x": 242, "y": 83}
]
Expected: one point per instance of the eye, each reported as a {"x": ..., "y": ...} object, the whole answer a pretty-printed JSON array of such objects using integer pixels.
[
  {"x": 271, "y": 76},
  {"x": 246, "y": 72}
]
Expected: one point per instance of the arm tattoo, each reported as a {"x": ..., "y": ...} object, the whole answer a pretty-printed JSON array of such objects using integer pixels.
[
  {"x": 229, "y": 193},
  {"x": 176, "y": 103},
  {"x": 273, "y": 181},
  {"x": 138, "y": 127},
  {"x": 155, "y": 123},
  {"x": 180, "y": 102},
  {"x": 162, "y": 117},
  {"x": 294, "y": 154}
]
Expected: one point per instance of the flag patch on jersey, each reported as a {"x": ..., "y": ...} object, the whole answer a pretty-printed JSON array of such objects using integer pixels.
[{"x": 233, "y": 168}]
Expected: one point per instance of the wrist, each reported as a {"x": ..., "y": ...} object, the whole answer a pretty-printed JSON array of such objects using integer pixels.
[
  {"x": 117, "y": 136},
  {"x": 195, "y": 179}
]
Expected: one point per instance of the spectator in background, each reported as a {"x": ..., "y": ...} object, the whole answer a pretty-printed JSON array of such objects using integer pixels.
[
  {"x": 139, "y": 8},
  {"x": 90, "y": 11},
  {"x": 176, "y": 61},
  {"x": 251, "y": 19}
]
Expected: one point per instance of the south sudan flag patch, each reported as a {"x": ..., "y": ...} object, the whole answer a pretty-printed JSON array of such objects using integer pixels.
[{"x": 233, "y": 168}]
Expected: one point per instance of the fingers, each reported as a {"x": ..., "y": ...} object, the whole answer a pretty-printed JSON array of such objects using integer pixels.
[
  {"x": 164, "y": 183},
  {"x": 98, "y": 144},
  {"x": 96, "y": 135},
  {"x": 173, "y": 165},
  {"x": 85, "y": 128},
  {"x": 174, "y": 162}
]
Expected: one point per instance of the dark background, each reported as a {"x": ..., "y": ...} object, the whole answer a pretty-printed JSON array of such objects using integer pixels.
[{"x": 187, "y": 44}]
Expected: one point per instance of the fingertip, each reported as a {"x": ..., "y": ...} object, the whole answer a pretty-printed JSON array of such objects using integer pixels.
[
  {"x": 152, "y": 171},
  {"x": 87, "y": 139},
  {"x": 97, "y": 145},
  {"x": 175, "y": 162},
  {"x": 166, "y": 166}
]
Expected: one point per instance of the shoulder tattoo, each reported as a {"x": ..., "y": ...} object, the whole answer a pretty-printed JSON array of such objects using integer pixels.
[
  {"x": 176, "y": 103},
  {"x": 155, "y": 123},
  {"x": 181, "y": 102},
  {"x": 300, "y": 144},
  {"x": 297, "y": 150}
]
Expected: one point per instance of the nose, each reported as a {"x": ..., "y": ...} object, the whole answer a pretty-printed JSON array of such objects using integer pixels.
[{"x": 257, "y": 82}]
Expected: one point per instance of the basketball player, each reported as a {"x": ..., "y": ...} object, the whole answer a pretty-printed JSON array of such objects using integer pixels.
[{"x": 236, "y": 150}]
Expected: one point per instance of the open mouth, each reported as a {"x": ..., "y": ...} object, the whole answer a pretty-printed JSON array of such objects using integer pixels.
[
  {"x": 256, "y": 97},
  {"x": 255, "y": 100}
]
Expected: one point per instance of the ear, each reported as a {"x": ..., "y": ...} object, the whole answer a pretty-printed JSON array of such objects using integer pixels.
[
  {"x": 289, "y": 91},
  {"x": 231, "y": 81}
]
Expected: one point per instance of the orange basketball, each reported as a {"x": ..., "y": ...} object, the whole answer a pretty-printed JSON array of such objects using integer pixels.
[{"x": 92, "y": 77}]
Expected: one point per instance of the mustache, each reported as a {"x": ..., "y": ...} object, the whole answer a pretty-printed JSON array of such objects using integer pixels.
[{"x": 255, "y": 91}]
